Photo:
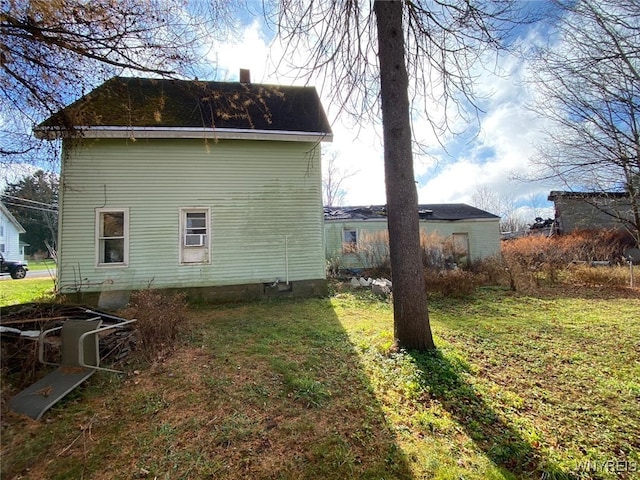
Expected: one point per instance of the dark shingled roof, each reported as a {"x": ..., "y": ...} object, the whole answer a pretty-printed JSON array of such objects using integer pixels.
[
  {"x": 146, "y": 102},
  {"x": 435, "y": 211},
  {"x": 554, "y": 194}
]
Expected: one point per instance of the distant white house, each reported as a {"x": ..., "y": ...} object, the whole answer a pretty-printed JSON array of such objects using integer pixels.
[{"x": 10, "y": 230}]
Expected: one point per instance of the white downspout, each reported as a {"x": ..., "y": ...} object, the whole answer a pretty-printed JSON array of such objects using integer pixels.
[{"x": 286, "y": 257}]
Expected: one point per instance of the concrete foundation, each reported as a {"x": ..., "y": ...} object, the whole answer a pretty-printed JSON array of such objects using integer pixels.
[{"x": 211, "y": 294}]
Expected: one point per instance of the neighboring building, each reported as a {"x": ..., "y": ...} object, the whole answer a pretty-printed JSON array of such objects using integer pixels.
[
  {"x": 208, "y": 186},
  {"x": 10, "y": 229},
  {"x": 592, "y": 210},
  {"x": 470, "y": 234}
]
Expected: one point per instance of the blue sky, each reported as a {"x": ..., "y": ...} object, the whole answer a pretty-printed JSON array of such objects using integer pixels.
[{"x": 489, "y": 155}]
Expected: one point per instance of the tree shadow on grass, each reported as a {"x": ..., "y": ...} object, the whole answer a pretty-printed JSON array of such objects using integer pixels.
[
  {"x": 268, "y": 390},
  {"x": 294, "y": 368},
  {"x": 500, "y": 442}
]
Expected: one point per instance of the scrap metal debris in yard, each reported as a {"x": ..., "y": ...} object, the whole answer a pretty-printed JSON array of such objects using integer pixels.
[{"x": 21, "y": 325}]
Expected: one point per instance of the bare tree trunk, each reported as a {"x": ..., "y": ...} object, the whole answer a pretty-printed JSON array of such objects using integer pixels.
[{"x": 411, "y": 317}]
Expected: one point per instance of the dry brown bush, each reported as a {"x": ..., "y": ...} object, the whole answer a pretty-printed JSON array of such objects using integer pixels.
[
  {"x": 451, "y": 283},
  {"x": 440, "y": 253},
  {"x": 599, "y": 276},
  {"x": 161, "y": 320},
  {"x": 491, "y": 271},
  {"x": 536, "y": 260},
  {"x": 529, "y": 260},
  {"x": 373, "y": 251},
  {"x": 525, "y": 264}
]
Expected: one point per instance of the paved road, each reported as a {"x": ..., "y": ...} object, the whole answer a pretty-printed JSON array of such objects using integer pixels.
[{"x": 32, "y": 274}]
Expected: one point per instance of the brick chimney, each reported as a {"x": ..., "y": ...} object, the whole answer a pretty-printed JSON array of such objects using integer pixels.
[{"x": 245, "y": 75}]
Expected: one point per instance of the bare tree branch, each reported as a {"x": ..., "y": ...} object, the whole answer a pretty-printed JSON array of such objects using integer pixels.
[
  {"x": 398, "y": 60},
  {"x": 590, "y": 87},
  {"x": 333, "y": 193},
  {"x": 54, "y": 51}
]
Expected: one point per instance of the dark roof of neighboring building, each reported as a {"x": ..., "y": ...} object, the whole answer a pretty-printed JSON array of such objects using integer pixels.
[
  {"x": 435, "y": 211},
  {"x": 147, "y": 102},
  {"x": 561, "y": 194}
]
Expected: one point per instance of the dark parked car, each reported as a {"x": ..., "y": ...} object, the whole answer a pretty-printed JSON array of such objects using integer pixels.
[{"x": 17, "y": 269}]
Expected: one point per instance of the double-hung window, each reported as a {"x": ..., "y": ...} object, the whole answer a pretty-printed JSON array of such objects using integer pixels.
[
  {"x": 194, "y": 235},
  {"x": 112, "y": 236}
]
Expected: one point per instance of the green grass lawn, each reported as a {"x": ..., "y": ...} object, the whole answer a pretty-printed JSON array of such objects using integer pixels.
[
  {"x": 13, "y": 292},
  {"x": 39, "y": 265},
  {"x": 520, "y": 387}
]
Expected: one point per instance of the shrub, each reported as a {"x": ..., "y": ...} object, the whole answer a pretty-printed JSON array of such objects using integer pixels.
[
  {"x": 441, "y": 253},
  {"x": 528, "y": 259},
  {"x": 333, "y": 266},
  {"x": 594, "y": 245},
  {"x": 373, "y": 251},
  {"x": 599, "y": 276},
  {"x": 491, "y": 271},
  {"x": 534, "y": 260},
  {"x": 451, "y": 283},
  {"x": 161, "y": 320}
]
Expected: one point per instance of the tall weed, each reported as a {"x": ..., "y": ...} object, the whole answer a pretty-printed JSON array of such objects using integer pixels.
[
  {"x": 535, "y": 261},
  {"x": 451, "y": 283},
  {"x": 162, "y": 318},
  {"x": 373, "y": 251}
]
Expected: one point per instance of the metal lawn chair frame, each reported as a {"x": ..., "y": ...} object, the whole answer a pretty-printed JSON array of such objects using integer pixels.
[{"x": 80, "y": 360}]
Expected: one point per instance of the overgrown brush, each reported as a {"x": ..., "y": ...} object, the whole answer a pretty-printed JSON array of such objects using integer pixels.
[
  {"x": 441, "y": 253},
  {"x": 525, "y": 264},
  {"x": 599, "y": 276},
  {"x": 451, "y": 283},
  {"x": 491, "y": 271},
  {"x": 373, "y": 251},
  {"x": 438, "y": 252},
  {"x": 534, "y": 261},
  {"x": 162, "y": 318}
]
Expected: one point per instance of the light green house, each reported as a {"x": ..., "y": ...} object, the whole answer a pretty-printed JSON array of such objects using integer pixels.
[
  {"x": 209, "y": 187},
  {"x": 356, "y": 237}
]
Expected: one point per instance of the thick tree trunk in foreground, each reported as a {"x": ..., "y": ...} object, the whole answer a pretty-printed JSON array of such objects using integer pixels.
[{"x": 411, "y": 317}]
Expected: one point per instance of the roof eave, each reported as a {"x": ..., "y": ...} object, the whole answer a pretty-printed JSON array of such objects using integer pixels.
[
  {"x": 51, "y": 133},
  {"x": 12, "y": 219},
  {"x": 430, "y": 219}
]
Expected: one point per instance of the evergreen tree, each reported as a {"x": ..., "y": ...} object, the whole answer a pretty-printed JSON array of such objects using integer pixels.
[{"x": 33, "y": 201}]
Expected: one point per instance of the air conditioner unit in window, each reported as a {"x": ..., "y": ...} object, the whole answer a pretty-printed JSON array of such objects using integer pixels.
[{"x": 194, "y": 240}]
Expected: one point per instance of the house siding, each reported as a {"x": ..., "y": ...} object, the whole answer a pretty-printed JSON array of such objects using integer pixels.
[
  {"x": 264, "y": 200},
  {"x": 10, "y": 238},
  {"x": 484, "y": 236}
]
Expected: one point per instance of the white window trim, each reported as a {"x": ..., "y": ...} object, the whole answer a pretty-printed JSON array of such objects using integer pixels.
[
  {"x": 183, "y": 228},
  {"x": 125, "y": 262}
]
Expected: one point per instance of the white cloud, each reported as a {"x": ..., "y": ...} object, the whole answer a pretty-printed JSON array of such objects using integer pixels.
[
  {"x": 13, "y": 172},
  {"x": 508, "y": 133},
  {"x": 362, "y": 155},
  {"x": 249, "y": 50}
]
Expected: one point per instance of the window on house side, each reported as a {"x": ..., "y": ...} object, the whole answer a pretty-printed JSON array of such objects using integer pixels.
[
  {"x": 349, "y": 241},
  {"x": 112, "y": 245},
  {"x": 195, "y": 229},
  {"x": 195, "y": 235}
]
